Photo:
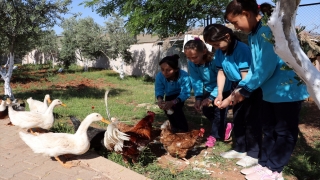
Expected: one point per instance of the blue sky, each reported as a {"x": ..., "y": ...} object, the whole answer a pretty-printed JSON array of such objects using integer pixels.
[{"x": 307, "y": 16}]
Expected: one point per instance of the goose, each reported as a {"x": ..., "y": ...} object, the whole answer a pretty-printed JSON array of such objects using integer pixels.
[
  {"x": 57, "y": 144},
  {"x": 38, "y": 106},
  {"x": 28, "y": 120}
]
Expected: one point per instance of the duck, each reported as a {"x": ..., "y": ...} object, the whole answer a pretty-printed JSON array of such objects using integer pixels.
[
  {"x": 57, "y": 144},
  {"x": 28, "y": 120},
  {"x": 95, "y": 135},
  {"x": 3, "y": 110},
  {"x": 38, "y": 106}
]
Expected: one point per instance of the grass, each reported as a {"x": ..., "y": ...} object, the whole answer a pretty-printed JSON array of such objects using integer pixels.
[{"x": 83, "y": 92}]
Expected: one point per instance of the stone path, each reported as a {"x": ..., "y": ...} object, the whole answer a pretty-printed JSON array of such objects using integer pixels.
[{"x": 17, "y": 162}]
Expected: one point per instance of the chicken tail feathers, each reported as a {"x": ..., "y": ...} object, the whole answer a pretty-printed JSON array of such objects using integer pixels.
[{"x": 113, "y": 138}]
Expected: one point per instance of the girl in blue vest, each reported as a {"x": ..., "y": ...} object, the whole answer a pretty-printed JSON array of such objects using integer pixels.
[
  {"x": 203, "y": 75},
  {"x": 233, "y": 59},
  {"x": 172, "y": 89},
  {"x": 282, "y": 96}
]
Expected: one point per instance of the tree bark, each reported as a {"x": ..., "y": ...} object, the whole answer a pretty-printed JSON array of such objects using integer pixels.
[
  {"x": 6, "y": 74},
  {"x": 282, "y": 24}
]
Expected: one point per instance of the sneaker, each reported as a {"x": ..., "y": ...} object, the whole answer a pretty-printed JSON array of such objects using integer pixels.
[
  {"x": 233, "y": 154},
  {"x": 259, "y": 174},
  {"x": 252, "y": 169},
  {"x": 275, "y": 176},
  {"x": 211, "y": 141},
  {"x": 247, "y": 161},
  {"x": 228, "y": 131}
]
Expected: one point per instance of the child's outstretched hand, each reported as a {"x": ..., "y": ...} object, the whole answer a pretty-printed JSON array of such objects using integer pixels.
[
  {"x": 225, "y": 103},
  {"x": 206, "y": 102},
  {"x": 218, "y": 100},
  {"x": 160, "y": 104},
  {"x": 197, "y": 105},
  {"x": 237, "y": 97}
]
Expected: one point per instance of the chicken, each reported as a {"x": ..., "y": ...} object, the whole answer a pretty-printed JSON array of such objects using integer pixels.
[
  {"x": 178, "y": 144},
  {"x": 139, "y": 138}
]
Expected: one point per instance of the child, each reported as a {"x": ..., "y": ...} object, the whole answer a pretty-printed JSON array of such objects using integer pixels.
[
  {"x": 203, "y": 75},
  {"x": 282, "y": 97},
  {"x": 174, "y": 84},
  {"x": 233, "y": 59}
]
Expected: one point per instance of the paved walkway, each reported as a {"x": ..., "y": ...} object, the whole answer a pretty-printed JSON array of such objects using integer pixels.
[{"x": 17, "y": 162}]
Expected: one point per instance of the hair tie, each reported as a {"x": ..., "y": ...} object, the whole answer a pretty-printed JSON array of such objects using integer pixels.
[
  {"x": 197, "y": 38},
  {"x": 258, "y": 6}
]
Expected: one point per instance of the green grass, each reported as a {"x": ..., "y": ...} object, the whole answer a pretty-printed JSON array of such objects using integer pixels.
[{"x": 123, "y": 99}]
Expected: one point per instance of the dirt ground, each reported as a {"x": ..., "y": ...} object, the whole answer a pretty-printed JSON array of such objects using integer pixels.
[{"x": 309, "y": 126}]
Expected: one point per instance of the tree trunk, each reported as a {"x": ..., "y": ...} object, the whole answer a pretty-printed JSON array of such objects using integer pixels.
[
  {"x": 282, "y": 24},
  {"x": 6, "y": 74}
]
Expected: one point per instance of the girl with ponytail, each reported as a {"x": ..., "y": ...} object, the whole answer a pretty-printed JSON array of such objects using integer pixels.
[
  {"x": 233, "y": 59},
  {"x": 203, "y": 75},
  {"x": 282, "y": 96}
]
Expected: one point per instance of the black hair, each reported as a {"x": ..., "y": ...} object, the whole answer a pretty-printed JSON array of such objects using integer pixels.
[
  {"x": 172, "y": 61},
  {"x": 199, "y": 46},
  {"x": 217, "y": 32},
  {"x": 236, "y": 7}
]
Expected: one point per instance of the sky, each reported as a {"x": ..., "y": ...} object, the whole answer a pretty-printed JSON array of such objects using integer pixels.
[{"x": 307, "y": 16}]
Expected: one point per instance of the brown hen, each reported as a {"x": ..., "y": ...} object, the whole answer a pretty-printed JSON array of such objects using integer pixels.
[{"x": 178, "y": 144}]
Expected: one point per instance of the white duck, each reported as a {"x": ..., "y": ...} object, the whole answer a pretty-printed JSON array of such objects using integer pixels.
[
  {"x": 38, "y": 106},
  {"x": 56, "y": 144},
  {"x": 28, "y": 120}
]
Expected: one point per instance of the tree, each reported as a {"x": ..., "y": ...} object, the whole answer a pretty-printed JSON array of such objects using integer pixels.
[
  {"x": 20, "y": 24},
  {"x": 82, "y": 39},
  {"x": 282, "y": 24},
  {"x": 48, "y": 46},
  {"x": 91, "y": 40},
  {"x": 119, "y": 41},
  {"x": 162, "y": 17}
]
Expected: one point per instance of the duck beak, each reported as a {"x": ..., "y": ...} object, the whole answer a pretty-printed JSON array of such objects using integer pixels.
[
  {"x": 64, "y": 105},
  {"x": 49, "y": 100},
  {"x": 105, "y": 121},
  {"x": 8, "y": 101}
]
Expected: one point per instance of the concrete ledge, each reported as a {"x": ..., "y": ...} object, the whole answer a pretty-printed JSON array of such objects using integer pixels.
[{"x": 108, "y": 168}]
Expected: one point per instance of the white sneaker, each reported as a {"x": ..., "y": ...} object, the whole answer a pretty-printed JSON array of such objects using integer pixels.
[
  {"x": 233, "y": 154},
  {"x": 247, "y": 161}
]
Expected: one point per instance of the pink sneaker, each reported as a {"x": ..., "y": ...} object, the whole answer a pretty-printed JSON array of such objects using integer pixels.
[
  {"x": 228, "y": 131},
  {"x": 211, "y": 141}
]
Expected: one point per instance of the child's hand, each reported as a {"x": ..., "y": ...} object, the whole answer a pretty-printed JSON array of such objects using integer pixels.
[
  {"x": 225, "y": 103},
  {"x": 168, "y": 105},
  {"x": 160, "y": 104},
  {"x": 237, "y": 97},
  {"x": 206, "y": 102},
  {"x": 197, "y": 105},
  {"x": 218, "y": 100}
]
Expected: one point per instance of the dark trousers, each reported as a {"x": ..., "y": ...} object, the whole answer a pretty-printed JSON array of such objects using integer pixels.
[
  {"x": 247, "y": 128},
  {"x": 216, "y": 116},
  {"x": 280, "y": 133},
  {"x": 178, "y": 121}
]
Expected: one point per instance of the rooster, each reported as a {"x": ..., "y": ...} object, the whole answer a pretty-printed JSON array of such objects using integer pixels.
[
  {"x": 178, "y": 144},
  {"x": 134, "y": 139}
]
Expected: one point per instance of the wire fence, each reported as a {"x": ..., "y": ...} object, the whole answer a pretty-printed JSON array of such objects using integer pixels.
[{"x": 308, "y": 15}]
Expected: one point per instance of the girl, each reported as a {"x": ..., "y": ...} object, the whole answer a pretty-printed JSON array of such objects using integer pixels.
[
  {"x": 233, "y": 59},
  {"x": 203, "y": 75},
  {"x": 174, "y": 84},
  {"x": 282, "y": 97}
]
